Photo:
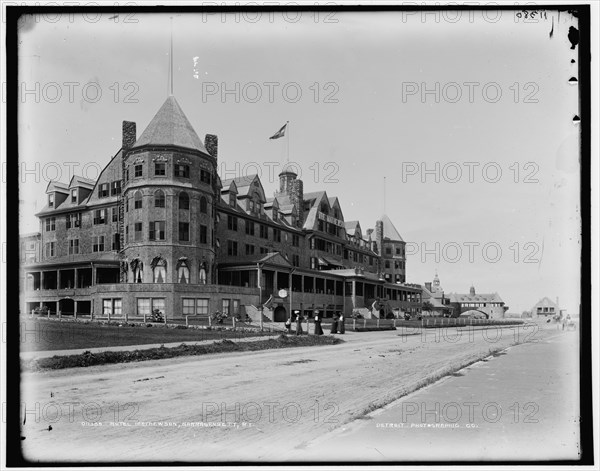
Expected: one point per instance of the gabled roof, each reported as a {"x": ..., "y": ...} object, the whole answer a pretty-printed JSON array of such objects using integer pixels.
[
  {"x": 245, "y": 185},
  {"x": 57, "y": 186},
  {"x": 351, "y": 226},
  {"x": 389, "y": 230},
  {"x": 170, "y": 127},
  {"x": 77, "y": 181}
]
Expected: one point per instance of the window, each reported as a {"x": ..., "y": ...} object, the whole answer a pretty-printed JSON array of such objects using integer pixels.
[
  {"x": 184, "y": 231},
  {"x": 137, "y": 231},
  {"x": 183, "y": 273},
  {"x": 126, "y": 234},
  {"x": 235, "y": 306},
  {"x": 202, "y": 275},
  {"x": 276, "y": 235},
  {"x": 51, "y": 200},
  {"x": 115, "y": 214},
  {"x": 232, "y": 223},
  {"x": 98, "y": 244},
  {"x": 182, "y": 170},
  {"x": 387, "y": 264},
  {"x": 232, "y": 248},
  {"x": 115, "y": 188},
  {"x": 138, "y": 170},
  {"x": 50, "y": 249},
  {"x": 50, "y": 224},
  {"x": 205, "y": 176},
  {"x": 127, "y": 174},
  {"x": 397, "y": 250},
  {"x": 264, "y": 231},
  {"x": 112, "y": 307},
  {"x": 138, "y": 271},
  {"x": 103, "y": 190},
  {"x": 188, "y": 306},
  {"x": 203, "y": 205},
  {"x": 249, "y": 249},
  {"x": 295, "y": 240},
  {"x": 203, "y": 234},
  {"x": 137, "y": 200},
  {"x": 249, "y": 228},
  {"x": 74, "y": 195},
  {"x": 232, "y": 200},
  {"x": 73, "y": 246},
  {"x": 143, "y": 307},
  {"x": 226, "y": 306},
  {"x": 184, "y": 201},
  {"x": 116, "y": 242},
  {"x": 159, "y": 199},
  {"x": 126, "y": 204},
  {"x": 263, "y": 250},
  {"x": 313, "y": 263},
  {"x": 202, "y": 307},
  {"x": 160, "y": 271},
  {"x": 296, "y": 260},
  {"x": 274, "y": 214},
  {"x": 100, "y": 216},
  {"x": 388, "y": 251},
  {"x": 156, "y": 230},
  {"x": 160, "y": 169}
]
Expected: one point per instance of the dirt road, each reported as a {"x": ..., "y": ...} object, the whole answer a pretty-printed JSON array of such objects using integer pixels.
[{"x": 253, "y": 406}]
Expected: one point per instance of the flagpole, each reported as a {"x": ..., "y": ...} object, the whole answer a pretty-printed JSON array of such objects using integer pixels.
[{"x": 288, "y": 142}]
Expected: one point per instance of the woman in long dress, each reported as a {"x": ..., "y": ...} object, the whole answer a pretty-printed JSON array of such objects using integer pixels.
[
  {"x": 334, "y": 324},
  {"x": 318, "y": 329},
  {"x": 341, "y": 326}
]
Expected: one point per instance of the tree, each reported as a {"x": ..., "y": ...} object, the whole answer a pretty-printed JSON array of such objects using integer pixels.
[{"x": 427, "y": 306}]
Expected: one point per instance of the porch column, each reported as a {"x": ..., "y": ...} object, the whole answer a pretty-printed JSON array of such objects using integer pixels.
[
  {"x": 353, "y": 293},
  {"x": 42, "y": 280},
  {"x": 275, "y": 275},
  {"x": 75, "y": 279},
  {"x": 57, "y": 279},
  {"x": 93, "y": 275},
  {"x": 75, "y": 309}
]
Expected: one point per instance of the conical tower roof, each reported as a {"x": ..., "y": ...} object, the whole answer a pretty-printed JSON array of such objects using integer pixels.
[
  {"x": 389, "y": 230},
  {"x": 170, "y": 127}
]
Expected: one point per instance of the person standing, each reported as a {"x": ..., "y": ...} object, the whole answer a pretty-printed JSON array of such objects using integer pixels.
[
  {"x": 334, "y": 324},
  {"x": 318, "y": 328},
  {"x": 341, "y": 326},
  {"x": 288, "y": 325},
  {"x": 298, "y": 323}
]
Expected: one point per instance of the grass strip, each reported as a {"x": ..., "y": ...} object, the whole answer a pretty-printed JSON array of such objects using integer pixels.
[{"x": 109, "y": 357}]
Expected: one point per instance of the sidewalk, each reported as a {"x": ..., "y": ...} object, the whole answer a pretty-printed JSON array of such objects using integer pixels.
[{"x": 520, "y": 405}]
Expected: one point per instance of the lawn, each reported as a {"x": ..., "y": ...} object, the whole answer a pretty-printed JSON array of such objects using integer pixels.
[{"x": 41, "y": 335}]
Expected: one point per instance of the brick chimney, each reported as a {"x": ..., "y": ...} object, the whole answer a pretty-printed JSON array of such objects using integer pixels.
[
  {"x": 129, "y": 135},
  {"x": 211, "y": 142}
]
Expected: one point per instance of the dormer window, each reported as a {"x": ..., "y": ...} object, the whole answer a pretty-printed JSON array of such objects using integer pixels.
[
  {"x": 232, "y": 199},
  {"x": 51, "y": 200},
  {"x": 274, "y": 214},
  {"x": 103, "y": 190},
  {"x": 74, "y": 196}
]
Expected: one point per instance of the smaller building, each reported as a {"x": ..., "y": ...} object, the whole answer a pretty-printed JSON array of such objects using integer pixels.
[
  {"x": 491, "y": 305},
  {"x": 545, "y": 307},
  {"x": 433, "y": 293}
]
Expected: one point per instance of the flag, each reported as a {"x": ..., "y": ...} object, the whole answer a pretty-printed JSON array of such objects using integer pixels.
[{"x": 279, "y": 133}]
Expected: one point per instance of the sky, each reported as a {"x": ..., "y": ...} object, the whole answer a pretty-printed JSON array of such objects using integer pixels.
[{"x": 458, "y": 126}]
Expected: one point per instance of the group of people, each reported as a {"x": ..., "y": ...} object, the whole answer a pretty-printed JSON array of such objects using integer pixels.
[{"x": 337, "y": 325}]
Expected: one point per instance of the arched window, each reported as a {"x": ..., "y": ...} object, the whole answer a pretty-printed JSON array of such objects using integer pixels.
[
  {"x": 137, "y": 200},
  {"x": 202, "y": 274},
  {"x": 137, "y": 267},
  {"x": 159, "y": 269},
  {"x": 183, "y": 271},
  {"x": 184, "y": 200},
  {"x": 203, "y": 205},
  {"x": 159, "y": 199}
]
